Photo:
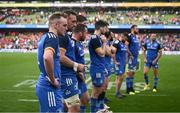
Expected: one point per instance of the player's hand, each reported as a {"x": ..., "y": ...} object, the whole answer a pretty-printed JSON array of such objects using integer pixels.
[
  {"x": 81, "y": 68},
  {"x": 145, "y": 60},
  {"x": 154, "y": 61},
  {"x": 81, "y": 76},
  {"x": 131, "y": 57},
  {"x": 103, "y": 38},
  {"x": 117, "y": 63},
  {"x": 55, "y": 83}
]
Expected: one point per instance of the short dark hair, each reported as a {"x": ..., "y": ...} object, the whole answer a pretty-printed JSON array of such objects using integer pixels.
[
  {"x": 100, "y": 23},
  {"x": 79, "y": 28},
  {"x": 55, "y": 16},
  {"x": 70, "y": 12},
  {"x": 133, "y": 26},
  {"x": 81, "y": 18}
]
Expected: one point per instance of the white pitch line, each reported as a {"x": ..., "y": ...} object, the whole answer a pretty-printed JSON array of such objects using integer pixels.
[
  {"x": 28, "y": 100},
  {"x": 143, "y": 95}
]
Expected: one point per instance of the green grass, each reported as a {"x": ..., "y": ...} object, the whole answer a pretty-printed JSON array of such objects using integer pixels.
[{"x": 18, "y": 67}]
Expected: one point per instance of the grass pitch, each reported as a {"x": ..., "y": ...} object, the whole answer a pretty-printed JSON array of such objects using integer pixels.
[{"x": 19, "y": 72}]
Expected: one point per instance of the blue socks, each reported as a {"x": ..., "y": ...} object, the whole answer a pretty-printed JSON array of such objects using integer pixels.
[
  {"x": 131, "y": 81},
  {"x": 82, "y": 109},
  {"x": 155, "y": 81},
  {"x": 146, "y": 79},
  {"x": 128, "y": 82},
  {"x": 93, "y": 104}
]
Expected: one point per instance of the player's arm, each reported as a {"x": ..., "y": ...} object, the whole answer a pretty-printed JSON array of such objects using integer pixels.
[
  {"x": 48, "y": 56},
  {"x": 64, "y": 60},
  {"x": 127, "y": 42},
  {"x": 144, "y": 52},
  {"x": 114, "y": 50},
  {"x": 159, "y": 54},
  {"x": 100, "y": 50},
  {"x": 108, "y": 50}
]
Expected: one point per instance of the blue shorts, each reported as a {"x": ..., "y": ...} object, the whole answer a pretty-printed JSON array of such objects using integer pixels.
[
  {"x": 50, "y": 99},
  {"x": 108, "y": 72},
  {"x": 149, "y": 65},
  {"x": 132, "y": 64},
  {"x": 69, "y": 86},
  {"x": 97, "y": 76},
  {"x": 82, "y": 88},
  {"x": 120, "y": 69}
]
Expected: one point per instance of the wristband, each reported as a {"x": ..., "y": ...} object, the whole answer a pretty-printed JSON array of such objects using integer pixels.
[{"x": 75, "y": 66}]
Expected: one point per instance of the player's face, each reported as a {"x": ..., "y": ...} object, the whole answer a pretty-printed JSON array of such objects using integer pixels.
[
  {"x": 83, "y": 35},
  {"x": 104, "y": 29},
  {"x": 153, "y": 36},
  {"x": 72, "y": 21},
  {"x": 136, "y": 30},
  {"x": 62, "y": 26}
]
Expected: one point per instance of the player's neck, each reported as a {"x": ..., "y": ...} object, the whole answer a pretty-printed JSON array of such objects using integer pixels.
[
  {"x": 53, "y": 31},
  {"x": 97, "y": 32},
  {"x": 74, "y": 36}
]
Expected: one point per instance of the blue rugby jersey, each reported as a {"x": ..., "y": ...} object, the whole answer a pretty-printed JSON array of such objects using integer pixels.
[{"x": 48, "y": 40}]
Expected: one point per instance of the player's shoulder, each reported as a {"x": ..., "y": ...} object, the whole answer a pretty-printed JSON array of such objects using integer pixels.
[
  {"x": 116, "y": 41},
  {"x": 94, "y": 36},
  {"x": 50, "y": 35}
]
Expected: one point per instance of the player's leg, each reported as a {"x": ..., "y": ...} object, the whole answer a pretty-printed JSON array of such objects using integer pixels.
[
  {"x": 146, "y": 70},
  {"x": 84, "y": 102},
  {"x": 97, "y": 95},
  {"x": 84, "y": 96},
  {"x": 130, "y": 76},
  {"x": 119, "y": 79},
  {"x": 94, "y": 101},
  {"x": 107, "y": 79},
  {"x": 49, "y": 100},
  {"x": 155, "y": 71}
]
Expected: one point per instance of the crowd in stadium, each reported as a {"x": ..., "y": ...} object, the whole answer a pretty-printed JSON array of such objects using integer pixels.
[
  {"x": 112, "y": 16},
  {"x": 28, "y": 40}
]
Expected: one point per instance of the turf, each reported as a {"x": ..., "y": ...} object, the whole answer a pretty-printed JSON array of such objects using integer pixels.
[{"x": 18, "y": 67}]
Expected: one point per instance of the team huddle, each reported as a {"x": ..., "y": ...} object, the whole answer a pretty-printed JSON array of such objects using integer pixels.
[{"x": 61, "y": 85}]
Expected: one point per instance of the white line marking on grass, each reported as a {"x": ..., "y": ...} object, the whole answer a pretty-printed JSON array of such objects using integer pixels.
[
  {"x": 143, "y": 95},
  {"x": 28, "y": 100},
  {"x": 25, "y": 82}
]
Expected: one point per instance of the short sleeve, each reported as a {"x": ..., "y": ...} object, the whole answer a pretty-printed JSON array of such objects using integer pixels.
[
  {"x": 51, "y": 41},
  {"x": 115, "y": 44},
  {"x": 95, "y": 42},
  {"x": 63, "y": 42}
]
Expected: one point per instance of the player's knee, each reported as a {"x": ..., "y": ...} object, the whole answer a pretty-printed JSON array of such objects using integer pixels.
[{"x": 101, "y": 96}]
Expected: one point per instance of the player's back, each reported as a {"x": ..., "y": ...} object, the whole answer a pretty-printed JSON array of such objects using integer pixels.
[
  {"x": 121, "y": 51},
  {"x": 79, "y": 52},
  {"x": 96, "y": 60},
  {"x": 108, "y": 57},
  {"x": 47, "y": 39}
]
